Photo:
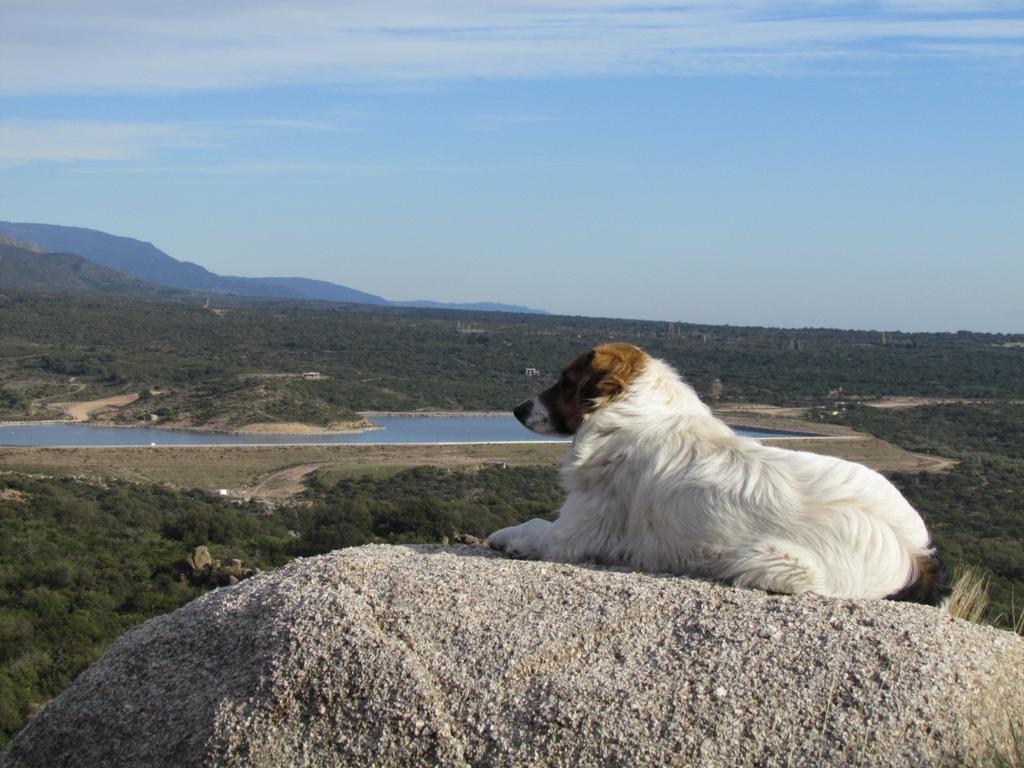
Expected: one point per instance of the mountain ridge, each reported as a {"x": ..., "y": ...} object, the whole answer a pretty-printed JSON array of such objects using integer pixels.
[
  {"x": 24, "y": 269},
  {"x": 145, "y": 261}
]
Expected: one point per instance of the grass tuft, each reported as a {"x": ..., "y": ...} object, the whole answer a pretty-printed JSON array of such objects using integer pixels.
[
  {"x": 1011, "y": 756},
  {"x": 969, "y": 599}
]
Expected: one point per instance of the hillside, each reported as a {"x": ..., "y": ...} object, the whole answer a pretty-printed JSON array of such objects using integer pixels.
[
  {"x": 22, "y": 269},
  {"x": 7, "y": 240},
  {"x": 147, "y": 262},
  {"x": 81, "y": 562},
  {"x": 451, "y": 656},
  {"x": 238, "y": 364}
]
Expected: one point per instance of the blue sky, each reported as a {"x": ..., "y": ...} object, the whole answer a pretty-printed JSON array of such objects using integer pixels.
[{"x": 792, "y": 164}]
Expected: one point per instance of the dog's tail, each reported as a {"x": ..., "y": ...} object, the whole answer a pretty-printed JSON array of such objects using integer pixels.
[{"x": 932, "y": 585}]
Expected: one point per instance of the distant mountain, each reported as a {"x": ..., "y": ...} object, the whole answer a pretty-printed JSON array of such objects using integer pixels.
[
  {"x": 29, "y": 270},
  {"x": 479, "y": 306},
  {"x": 146, "y": 261}
]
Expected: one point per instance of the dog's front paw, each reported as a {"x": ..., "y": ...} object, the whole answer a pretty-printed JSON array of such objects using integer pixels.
[{"x": 522, "y": 541}]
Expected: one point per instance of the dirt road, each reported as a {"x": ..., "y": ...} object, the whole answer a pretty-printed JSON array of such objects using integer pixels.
[{"x": 284, "y": 483}]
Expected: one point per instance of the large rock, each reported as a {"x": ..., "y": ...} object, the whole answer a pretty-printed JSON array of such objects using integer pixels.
[
  {"x": 427, "y": 655},
  {"x": 199, "y": 559}
]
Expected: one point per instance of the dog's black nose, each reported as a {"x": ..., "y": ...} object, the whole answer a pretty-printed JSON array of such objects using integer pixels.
[{"x": 523, "y": 410}]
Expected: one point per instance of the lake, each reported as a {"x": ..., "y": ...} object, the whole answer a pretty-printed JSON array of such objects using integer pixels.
[{"x": 396, "y": 429}]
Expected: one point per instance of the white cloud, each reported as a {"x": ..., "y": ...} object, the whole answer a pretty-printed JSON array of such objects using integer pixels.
[{"x": 68, "y": 45}]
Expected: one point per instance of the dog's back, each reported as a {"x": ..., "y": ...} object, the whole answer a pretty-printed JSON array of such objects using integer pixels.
[
  {"x": 868, "y": 541},
  {"x": 732, "y": 509},
  {"x": 656, "y": 482}
]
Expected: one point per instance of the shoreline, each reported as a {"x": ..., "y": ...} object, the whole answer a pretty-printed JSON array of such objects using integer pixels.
[
  {"x": 270, "y": 428},
  {"x": 297, "y": 428},
  {"x": 38, "y": 421},
  {"x": 277, "y": 445},
  {"x": 284, "y": 428},
  {"x": 434, "y": 414},
  {"x": 466, "y": 443},
  {"x": 280, "y": 430},
  {"x": 248, "y": 446}
]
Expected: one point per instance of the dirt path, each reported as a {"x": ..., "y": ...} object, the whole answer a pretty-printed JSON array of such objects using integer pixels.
[
  {"x": 895, "y": 403},
  {"x": 248, "y": 467},
  {"x": 83, "y": 411},
  {"x": 869, "y": 451},
  {"x": 284, "y": 483},
  {"x": 936, "y": 463},
  {"x": 43, "y": 402}
]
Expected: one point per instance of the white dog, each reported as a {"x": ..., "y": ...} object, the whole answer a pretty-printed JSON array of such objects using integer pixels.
[{"x": 656, "y": 482}]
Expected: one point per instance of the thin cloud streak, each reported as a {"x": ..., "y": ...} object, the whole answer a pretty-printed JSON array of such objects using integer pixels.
[
  {"x": 347, "y": 169},
  {"x": 495, "y": 122},
  {"x": 66, "y": 141},
  {"x": 25, "y": 141},
  {"x": 65, "y": 46}
]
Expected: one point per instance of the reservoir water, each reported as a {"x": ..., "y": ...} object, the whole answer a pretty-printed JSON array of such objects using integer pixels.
[{"x": 396, "y": 429}]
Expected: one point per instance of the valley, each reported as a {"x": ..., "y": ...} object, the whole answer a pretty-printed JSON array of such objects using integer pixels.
[{"x": 95, "y": 540}]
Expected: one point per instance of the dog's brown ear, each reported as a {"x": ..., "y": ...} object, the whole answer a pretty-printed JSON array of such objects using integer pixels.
[
  {"x": 579, "y": 370},
  {"x": 613, "y": 368}
]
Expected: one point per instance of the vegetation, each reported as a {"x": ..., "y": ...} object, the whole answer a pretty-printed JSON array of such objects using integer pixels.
[
  {"x": 424, "y": 504},
  {"x": 969, "y": 598},
  {"x": 216, "y": 366},
  {"x": 28, "y": 270},
  {"x": 957, "y": 430},
  {"x": 82, "y": 562}
]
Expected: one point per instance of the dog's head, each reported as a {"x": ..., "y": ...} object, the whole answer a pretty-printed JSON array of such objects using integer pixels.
[{"x": 594, "y": 378}]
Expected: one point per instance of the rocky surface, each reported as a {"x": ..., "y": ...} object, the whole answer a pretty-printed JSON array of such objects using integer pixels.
[{"x": 454, "y": 656}]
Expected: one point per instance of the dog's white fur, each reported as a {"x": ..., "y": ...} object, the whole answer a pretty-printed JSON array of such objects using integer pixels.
[
  {"x": 539, "y": 420},
  {"x": 656, "y": 482}
]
